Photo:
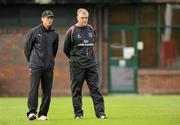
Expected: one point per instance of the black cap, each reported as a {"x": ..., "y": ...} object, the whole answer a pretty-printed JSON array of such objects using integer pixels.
[{"x": 47, "y": 13}]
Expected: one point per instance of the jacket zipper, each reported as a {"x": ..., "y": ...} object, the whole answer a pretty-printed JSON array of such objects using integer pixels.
[{"x": 87, "y": 53}]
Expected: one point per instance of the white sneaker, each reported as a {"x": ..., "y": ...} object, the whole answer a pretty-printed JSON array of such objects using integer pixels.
[
  {"x": 103, "y": 117},
  {"x": 78, "y": 117},
  {"x": 32, "y": 116},
  {"x": 42, "y": 117}
]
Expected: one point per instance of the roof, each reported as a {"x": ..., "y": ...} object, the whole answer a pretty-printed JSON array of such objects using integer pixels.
[{"x": 85, "y": 1}]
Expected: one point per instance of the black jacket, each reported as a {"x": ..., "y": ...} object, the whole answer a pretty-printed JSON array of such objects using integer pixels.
[
  {"x": 79, "y": 46},
  {"x": 41, "y": 47}
]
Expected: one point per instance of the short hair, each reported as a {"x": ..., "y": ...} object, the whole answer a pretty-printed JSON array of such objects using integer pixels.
[{"x": 80, "y": 10}]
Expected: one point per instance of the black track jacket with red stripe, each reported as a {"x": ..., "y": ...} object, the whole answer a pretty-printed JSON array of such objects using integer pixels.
[{"x": 79, "y": 46}]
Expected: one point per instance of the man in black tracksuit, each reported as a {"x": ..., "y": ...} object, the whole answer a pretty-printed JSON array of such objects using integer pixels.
[
  {"x": 40, "y": 50},
  {"x": 78, "y": 47}
]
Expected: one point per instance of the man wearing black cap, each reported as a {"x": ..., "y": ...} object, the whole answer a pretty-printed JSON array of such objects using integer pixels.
[{"x": 40, "y": 50}]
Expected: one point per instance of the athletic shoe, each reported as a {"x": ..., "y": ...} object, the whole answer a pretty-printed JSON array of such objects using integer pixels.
[
  {"x": 32, "y": 116},
  {"x": 103, "y": 117},
  {"x": 42, "y": 117},
  {"x": 78, "y": 117}
]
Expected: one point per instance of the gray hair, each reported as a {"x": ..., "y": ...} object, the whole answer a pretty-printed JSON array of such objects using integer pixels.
[{"x": 82, "y": 10}]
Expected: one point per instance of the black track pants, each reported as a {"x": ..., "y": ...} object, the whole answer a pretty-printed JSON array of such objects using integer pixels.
[
  {"x": 78, "y": 76},
  {"x": 46, "y": 78}
]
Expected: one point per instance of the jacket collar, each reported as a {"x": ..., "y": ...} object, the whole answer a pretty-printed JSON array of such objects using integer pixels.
[{"x": 44, "y": 29}]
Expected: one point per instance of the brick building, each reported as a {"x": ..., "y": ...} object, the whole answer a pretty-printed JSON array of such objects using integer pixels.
[{"x": 138, "y": 44}]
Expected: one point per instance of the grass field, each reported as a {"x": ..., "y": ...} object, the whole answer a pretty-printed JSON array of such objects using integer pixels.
[{"x": 121, "y": 110}]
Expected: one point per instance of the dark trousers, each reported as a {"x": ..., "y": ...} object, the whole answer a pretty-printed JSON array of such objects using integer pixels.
[
  {"x": 46, "y": 78},
  {"x": 78, "y": 76}
]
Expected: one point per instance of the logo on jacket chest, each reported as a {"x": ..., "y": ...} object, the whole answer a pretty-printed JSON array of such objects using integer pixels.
[
  {"x": 79, "y": 36},
  {"x": 39, "y": 35},
  {"x": 86, "y": 41},
  {"x": 90, "y": 34}
]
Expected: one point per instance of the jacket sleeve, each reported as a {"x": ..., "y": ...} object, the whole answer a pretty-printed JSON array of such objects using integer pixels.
[
  {"x": 55, "y": 46},
  {"x": 94, "y": 36},
  {"x": 94, "y": 32},
  {"x": 29, "y": 44},
  {"x": 67, "y": 43}
]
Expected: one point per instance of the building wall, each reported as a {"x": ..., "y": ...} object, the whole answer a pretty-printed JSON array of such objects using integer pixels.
[
  {"x": 158, "y": 82},
  {"x": 14, "y": 70}
]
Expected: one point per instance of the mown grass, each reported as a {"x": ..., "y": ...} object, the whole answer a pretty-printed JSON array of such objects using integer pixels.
[{"x": 121, "y": 110}]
